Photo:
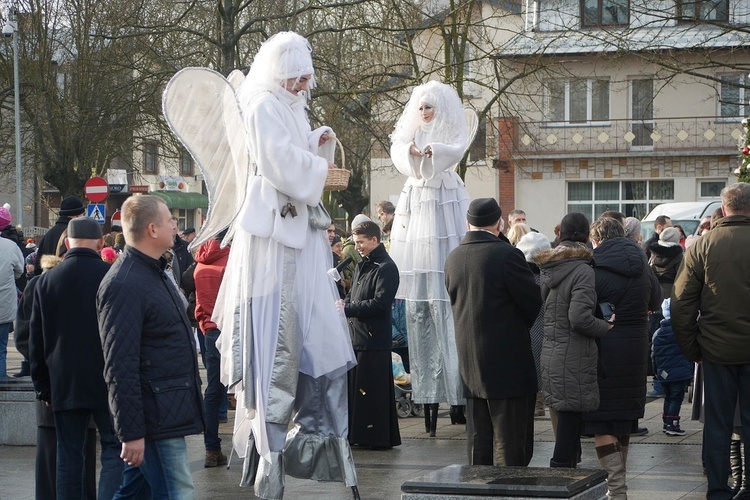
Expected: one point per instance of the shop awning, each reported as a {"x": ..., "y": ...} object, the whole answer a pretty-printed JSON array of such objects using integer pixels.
[{"x": 186, "y": 201}]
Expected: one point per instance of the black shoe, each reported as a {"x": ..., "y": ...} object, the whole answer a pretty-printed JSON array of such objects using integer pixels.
[
  {"x": 25, "y": 370},
  {"x": 641, "y": 431},
  {"x": 457, "y": 415}
]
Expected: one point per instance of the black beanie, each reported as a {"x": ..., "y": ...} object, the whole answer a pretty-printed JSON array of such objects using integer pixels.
[
  {"x": 483, "y": 212},
  {"x": 574, "y": 227},
  {"x": 71, "y": 206}
]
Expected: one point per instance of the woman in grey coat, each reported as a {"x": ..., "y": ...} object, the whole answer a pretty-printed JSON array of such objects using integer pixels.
[{"x": 569, "y": 352}]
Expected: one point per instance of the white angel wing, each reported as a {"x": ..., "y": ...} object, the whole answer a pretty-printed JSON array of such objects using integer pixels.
[
  {"x": 201, "y": 108},
  {"x": 472, "y": 124}
]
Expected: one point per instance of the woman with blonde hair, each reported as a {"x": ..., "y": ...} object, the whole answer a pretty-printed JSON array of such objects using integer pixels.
[{"x": 516, "y": 232}]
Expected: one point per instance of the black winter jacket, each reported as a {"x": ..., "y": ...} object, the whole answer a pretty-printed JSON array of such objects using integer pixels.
[
  {"x": 368, "y": 305},
  {"x": 64, "y": 345},
  {"x": 624, "y": 278},
  {"x": 48, "y": 245},
  {"x": 150, "y": 361},
  {"x": 494, "y": 301},
  {"x": 664, "y": 262}
]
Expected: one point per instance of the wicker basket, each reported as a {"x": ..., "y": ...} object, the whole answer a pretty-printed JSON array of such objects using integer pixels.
[{"x": 338, "y": 178}]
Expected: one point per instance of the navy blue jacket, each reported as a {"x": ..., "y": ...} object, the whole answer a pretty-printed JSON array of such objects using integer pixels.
[
  {"x": 64, "y": 346},
  {"x": 150, "y": 361},
  {"x": 670, "y": 365}
]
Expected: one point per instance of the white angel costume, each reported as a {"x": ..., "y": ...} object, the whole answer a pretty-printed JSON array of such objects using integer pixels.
[
  {"x": 430, "y": 221},
  {"x": 285, "y": 348}
]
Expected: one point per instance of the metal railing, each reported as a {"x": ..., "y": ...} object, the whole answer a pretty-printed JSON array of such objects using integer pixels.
[{"x": 662, "y": 136}]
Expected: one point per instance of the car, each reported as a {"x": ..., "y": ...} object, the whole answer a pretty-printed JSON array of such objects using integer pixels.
[{"x": 686, "y": 214}]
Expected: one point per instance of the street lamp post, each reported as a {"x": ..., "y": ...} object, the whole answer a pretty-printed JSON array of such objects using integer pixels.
[{"x": 10, "y": 30}]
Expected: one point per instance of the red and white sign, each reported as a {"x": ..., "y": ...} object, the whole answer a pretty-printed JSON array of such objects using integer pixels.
[
  {"x": 116, "y": 217},
  {"x": 96, "y": 189},
  {"x": 138, "y": 189}
]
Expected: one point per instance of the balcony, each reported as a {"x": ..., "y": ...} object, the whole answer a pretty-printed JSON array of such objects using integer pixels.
[{"x": 696, "y": 136}]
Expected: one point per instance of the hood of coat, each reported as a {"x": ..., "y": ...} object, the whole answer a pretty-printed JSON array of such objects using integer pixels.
[
  {"x": 559, "y": 262},
  {"x": 621, "y": 256},
  {"x": 210, "y": 252},
  {"x": 663, "y": 253}
]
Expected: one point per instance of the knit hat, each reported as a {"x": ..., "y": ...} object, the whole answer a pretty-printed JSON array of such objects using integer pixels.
[
  {"x": 30, "y": 244},
  {"x": 5, "y": 217},
  {"x": 483, "y": 212},
  {"x": 669, "y": 237},
  {"x": 84, "y": 228},
  {"x": 665, "y": 308},
  {"x": 574, "y": 227},
  {"x": 531, "y": 243},
  {"x": 71, "y": 206},
  {"x": 632, "y": 228},
  {"x": 359, "y": 219}
]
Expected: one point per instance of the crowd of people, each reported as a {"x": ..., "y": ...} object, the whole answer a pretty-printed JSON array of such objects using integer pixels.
[{"x": 500, "y": 324}]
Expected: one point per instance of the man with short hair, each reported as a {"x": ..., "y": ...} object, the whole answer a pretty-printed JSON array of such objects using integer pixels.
[
  {"x": 372, "y": 402},
  {"x": 660, "y": 224},
  {"x": 712, "y": 283},
  {"x": 385, "y": 211},
  {"x": 150, "y": 361},
  {"x": 67, "y": 362},
  {"x": 495, "y": 301},
  {"x": 516, "y": 216}
]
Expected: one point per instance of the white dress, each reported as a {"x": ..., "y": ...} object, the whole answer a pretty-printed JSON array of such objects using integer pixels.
[
  {"x": 284, "y": 346},
  {"x": 430, "y": 221}
]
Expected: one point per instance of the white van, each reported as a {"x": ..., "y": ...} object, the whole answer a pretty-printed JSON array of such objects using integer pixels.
[{"x": 685, "y": 214}]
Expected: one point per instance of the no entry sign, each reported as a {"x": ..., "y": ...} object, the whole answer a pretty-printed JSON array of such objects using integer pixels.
[{"x": 96, "y": 189}]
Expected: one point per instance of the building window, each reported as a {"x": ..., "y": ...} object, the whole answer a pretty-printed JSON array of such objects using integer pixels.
[
  {"x": 184, "y": 217},
  {"x": 711, "y": 189},
  {"x": 733, "y": 96},
  {"x": 703, "y": 10},
  {"x": 150, "y": 158},
  {"x": 578, "y": 101},
  {"x": 605, "y": 13},
  {"x": 186, "y": 163},
  {"x": 633, "y": 198}
]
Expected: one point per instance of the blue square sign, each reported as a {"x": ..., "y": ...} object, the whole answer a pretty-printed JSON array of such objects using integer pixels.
[{"x": 96, "y": 211}]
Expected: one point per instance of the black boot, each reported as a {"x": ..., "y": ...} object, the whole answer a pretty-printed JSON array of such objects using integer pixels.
[
  {"x": 743, "y": 493},
  {"x": 426, "y": 408},
  {"x": 433, "y": 409},
  {"x": 735, "y": 464},
  {"x": 457, "y": 414},
  {"x": 25, "y": 370}
]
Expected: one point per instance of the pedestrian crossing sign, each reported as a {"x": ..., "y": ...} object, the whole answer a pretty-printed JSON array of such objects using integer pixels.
[{"x": 96, "y": 211}]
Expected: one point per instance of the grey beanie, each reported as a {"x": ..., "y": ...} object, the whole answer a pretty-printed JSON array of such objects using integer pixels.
[{"x": 532, "y": 243}]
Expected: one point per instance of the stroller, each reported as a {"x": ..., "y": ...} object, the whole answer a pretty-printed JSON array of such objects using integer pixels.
[{"x": 405, "y": 407}]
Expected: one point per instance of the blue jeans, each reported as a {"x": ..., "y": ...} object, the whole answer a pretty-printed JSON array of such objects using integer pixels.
[
  {"x": 215, "y": 392},
  {"x": 674, "y": 394},
  {"x": 72, "y": 428},
  {"x": 165, "y": 468},
  {"x": 4, "y": 331},
  {"x": 722, "y": 385}
]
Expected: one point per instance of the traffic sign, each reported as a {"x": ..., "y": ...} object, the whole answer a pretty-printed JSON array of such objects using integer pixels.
[
  {"x": 116, "y": 218},
  {"x": 96, "y": 211},
  {"x": 96, "y": 189}
]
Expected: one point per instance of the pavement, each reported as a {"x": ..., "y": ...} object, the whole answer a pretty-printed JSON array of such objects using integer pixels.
[{"x": 659, "y": 466}]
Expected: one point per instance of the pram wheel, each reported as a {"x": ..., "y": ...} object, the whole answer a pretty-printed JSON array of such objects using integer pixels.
[
  {"x": 417, "y": 410},
  {"x": 404, "y": 407}
]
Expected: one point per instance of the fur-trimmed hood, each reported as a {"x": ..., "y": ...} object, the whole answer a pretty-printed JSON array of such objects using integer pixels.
[
  {"x": 665, "y": 253},
  {"x": 558, "y": 262}
]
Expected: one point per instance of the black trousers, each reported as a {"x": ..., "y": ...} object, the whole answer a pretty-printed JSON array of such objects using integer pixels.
[
  {"x": 500, "y": 431},
  {"x": 567, "y": 439}
]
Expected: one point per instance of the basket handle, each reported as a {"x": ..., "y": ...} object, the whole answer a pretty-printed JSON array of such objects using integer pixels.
[{"x": 341, "y": 150}]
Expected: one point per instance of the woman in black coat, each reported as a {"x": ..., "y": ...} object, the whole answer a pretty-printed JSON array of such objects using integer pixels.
[{"x": 624, "y": 279}]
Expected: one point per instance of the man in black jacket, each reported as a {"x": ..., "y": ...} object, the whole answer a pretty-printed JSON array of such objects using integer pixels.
[
  {"x": 70, "y": 208},
  {"x": 495, "y": 301},
  {"x": 372, "y": 402},
  {"x": 150, "y": 361},
  {"x": 67, "y": 362}
]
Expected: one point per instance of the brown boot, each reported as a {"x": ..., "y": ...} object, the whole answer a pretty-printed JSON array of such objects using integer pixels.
[{"x": 214, "y": 459}]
